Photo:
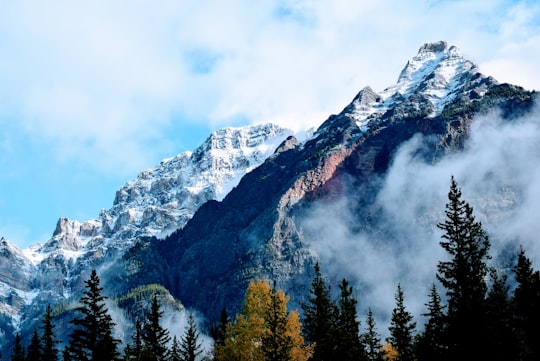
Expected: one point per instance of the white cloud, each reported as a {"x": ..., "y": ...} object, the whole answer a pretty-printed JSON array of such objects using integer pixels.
[{"x": 101, "y": 82}]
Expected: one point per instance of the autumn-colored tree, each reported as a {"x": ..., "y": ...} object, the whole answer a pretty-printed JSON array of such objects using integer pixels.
[{"x": 264, "y": 330}]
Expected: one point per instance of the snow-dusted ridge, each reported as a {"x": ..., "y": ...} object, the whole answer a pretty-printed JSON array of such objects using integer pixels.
[{"x": 436, "y": 74}]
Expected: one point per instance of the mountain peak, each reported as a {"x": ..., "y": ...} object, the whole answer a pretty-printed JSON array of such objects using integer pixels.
[{"x": 429, "y": 81}]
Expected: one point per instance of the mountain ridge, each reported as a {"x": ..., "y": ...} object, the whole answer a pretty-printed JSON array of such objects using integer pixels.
[{"x": 249, "y": 228}]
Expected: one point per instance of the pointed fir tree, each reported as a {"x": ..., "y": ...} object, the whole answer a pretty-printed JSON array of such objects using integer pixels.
[
  {"x": 48, "y": 339},
  {"x": 348, "y": 344},
  {"x": 18, "y": 349},
  {"x": 430, "y": 343},
  {"x": 190, "y": 347},
  {"x": 402, "y": 329},
  {"x": 320, "y": 315},
  {"x": 464, "y": 277},
  {"x": 155, "y": 337},
  {"x": 34, "y": 349},
  {"x": 502, "y": 343},
  {"x": 276, "y": 343},
  {"x": 134, "y": 351},
  {"x": 526, "y": 307},
  {"x": 92, "y": 339},
  {"x": 371, "y": 339},
  {"x": 176, "y": 353}
]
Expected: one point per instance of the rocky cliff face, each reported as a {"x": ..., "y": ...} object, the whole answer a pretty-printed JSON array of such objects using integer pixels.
[{"x": 204, "y": 224}]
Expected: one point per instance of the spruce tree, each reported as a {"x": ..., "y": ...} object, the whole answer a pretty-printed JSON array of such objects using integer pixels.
[
  {"x": 134, "y": 351},
  {"x": 18, "y": 349},
  {"x": 34, "y": 349},
  {"x": 501, "y": 339},
  {"x": 430, "y": 343},
  {"x": 92, "y": 339},
  {"x": 526, "y": 307},
  {"x": 463, "y": 276},
  {"x": 320, "y": 315},
  {"x": 176, "y": 353},
  {"x": 348, "y": 345},
  {"x": 48, "y": 339},
  {"x": 156, "y": 338},
  {"x": 276, "y": 343},
  {"x": 402, "y": 329},
  {"x": 371, "y": 339},
  {"x": 190, "y": 347}
]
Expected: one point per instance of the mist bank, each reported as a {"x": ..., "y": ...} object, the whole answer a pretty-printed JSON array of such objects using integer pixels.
[{"x": 497, "y": 171}]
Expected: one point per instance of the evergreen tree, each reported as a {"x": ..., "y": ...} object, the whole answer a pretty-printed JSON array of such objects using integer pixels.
[
  {"x": 402, "y": 329},
  {"x": 371, "y": 339},
  {"x": 92, "y": 339},
  {"x": 156, "y": 338},
  {"x": 190, "y": 347},
  {"x": 348, "y": 344},
  {"x": 134, "y": 351},
  {"x": 463, "y": 276},
  {"x": 34, "y": 349},
  {"x": 219, "y": 331},
  {"x": 501, "y": 337},
  {"x": 176, "y": 352},
  {"x": 18, "y": 349},
  {"x": 276, "y": 343},
  {"x": 48, "y": 339},
  {"x": 320, "y": 315},
  {"x": 430, "y": 343},
  {"x": 526, "y": 306}
]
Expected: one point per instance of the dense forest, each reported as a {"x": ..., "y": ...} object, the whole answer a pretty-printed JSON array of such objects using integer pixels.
[{"x": 471, "y": 313}]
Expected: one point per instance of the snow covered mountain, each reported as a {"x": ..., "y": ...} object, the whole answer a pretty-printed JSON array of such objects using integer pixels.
[
  {"x": 157, "y": 202},
  {"x": 243, "y": 205}
]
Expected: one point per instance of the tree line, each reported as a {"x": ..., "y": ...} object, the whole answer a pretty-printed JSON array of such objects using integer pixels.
[{"x": 477, "y": 317}]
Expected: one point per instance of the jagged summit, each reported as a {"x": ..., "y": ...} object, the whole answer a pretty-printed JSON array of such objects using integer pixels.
[{"x": 429, "y": 81}]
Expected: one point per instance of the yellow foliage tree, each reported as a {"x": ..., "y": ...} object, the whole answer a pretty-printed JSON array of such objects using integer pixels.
[
  {"x": 264, "y": 330},
  {"x": 389, "y": 352}
]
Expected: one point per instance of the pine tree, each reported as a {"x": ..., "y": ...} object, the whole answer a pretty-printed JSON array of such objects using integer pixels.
[
  {"x": 156, "y": 338},
  {"x": 276, "y": 343},
  {"x": 134, "y": 351},
  {"x": 500, "y": 333},
  {"x": 463, "y": 276},
  {"x": 34, "y": 349},
  {"x": 176, "y": 353},
  {"x": 320, "y": 319},
  {"x": 92, "y": 339},
  {"x": 402, "y": 329},
  {"x": 219, "y": 331},
  {"x": 348, "y": 344},
  {"x": 190, "y": 347},
  {"x": 48, "y": 339},
  {"x": 430, "y": 343},
  {"x": 371, "y": 339},
  {"x": 526, "y": 307},
  {"x": 18, "y": 349}
]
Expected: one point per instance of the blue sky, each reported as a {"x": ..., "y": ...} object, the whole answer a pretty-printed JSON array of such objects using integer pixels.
[{"x": 92, "y": 92}]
